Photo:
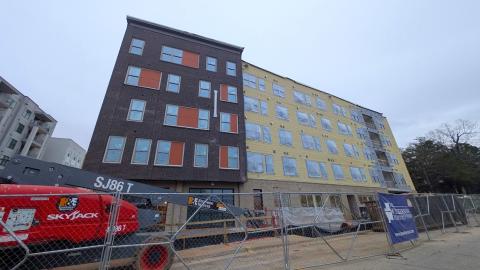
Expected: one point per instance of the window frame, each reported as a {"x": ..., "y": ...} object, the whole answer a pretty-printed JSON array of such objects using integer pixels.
[
  {"x": 227, "y": 69},
  {"x": 341, "y": 169},
  {"x": 169, "y": 56},
  {"x": 132, "y": 46},
  {"x": 195, "y": 155},
  {"x": 200, "y": 89},
  {"x": 124, "y": 140},
  {"x": 169, "y": 153},
  {"x": 131, "y": 110},
  {"x": 228, "y": 158},
  {"x": 283, "y": 165},
  {"x": 208, "y": 65},
  {"x": 169, "y": 83},
  {"x": 135, "y": 150},
  {"x": 282, "y": 130}
]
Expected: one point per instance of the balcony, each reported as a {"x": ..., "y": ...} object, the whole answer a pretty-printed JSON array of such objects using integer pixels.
[
  {"x": 383, "y": 162},
  {"x": 370, "y": 125},
  {"x": 43, "y": 127}
]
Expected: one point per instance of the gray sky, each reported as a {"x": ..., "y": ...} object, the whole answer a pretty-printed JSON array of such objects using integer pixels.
[{"x": 418, "y": 62}]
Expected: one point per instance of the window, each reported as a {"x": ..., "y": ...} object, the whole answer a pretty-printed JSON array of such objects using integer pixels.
[
  {"x": 311, "y": 142},
  {"x": 356, "y": 116},
  {"x": 301, "y": 98},
  {"x": 186, "y": 117},
  {"x": 393, "y": 158},
  {"x": 200, "y": 159},
  {"x": 344, "y": 129},
  {"x": 326, "y": 124},
  {"x": 358, "y": 174},
  {"x": 181, "y": 57},
  {"x": 229, "y": 157},
  {"x": 136, "y": 110},
  {"x": 27, "y": 114},
  {"x": 350, "y": 150},
  {"x": 257, "y": 199},
  {"x": 377, "y": 176},
  {"x": 173, "y": 83},
  {"x": 289, "y": 166},
  {"x": 362, "y": 133},
  {"x": 306, "y": 119},
  {"x": 20, "y": 128},
  {"x": 263, "y": 107},
  {"x": 114, "y": 149},
  {"x": 257, "y": 132},
  {"x": 321, "y": 104},
  {"x": 169, "y": 153},
  {"x": 259, "y": 163},
  {"x": 339, "y": 110},
  {"x": 369, "y": 153},
  {"x": 231, "y": 68},
  {"x": 228, "y": 122},
  {"x": 316, "y": 169},
  {"x": 261, "y": 84},
  {"x": 338, "y": 171},
  {"x": 281, "y": 112},
  {"x": 143, "y": 77},
  {"x": 306, "y": 200},
  {"x": 250, "y": 104},
  {"x": 211, "y": 64},
  {"x": 141, "y": 151},
  {"x": 285, "y": 137},
  {"x": 136, "y": 46},
  {"x": 12, "y": 144},
  {"x": 249, "y": 80},
  {"x": 278, "y": 90},
  {"x": 204, "y": 88},
  {"x": 332, "y": 147},
  {"x": 228, "y": 93}
]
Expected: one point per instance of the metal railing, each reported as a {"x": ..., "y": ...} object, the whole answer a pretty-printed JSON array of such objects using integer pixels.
[{"x": 288, "y": 230}]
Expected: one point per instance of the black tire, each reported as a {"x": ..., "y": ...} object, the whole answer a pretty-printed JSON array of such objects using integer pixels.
[{"x": 155, "y": 256}]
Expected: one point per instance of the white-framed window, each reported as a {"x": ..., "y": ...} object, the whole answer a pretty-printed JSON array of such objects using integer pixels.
[
  {"x": 227, "y": 124},
  {"x": 250, "y": 104},
  {"x": 200, "y": 159},
  {"x": 141, "y": 151},
  {"x": 261, "y": 84},
  {"x": 369, "y": 153},
  {"x": 133, "y": 75},
  {"x": 285, "y": 137},
  {"x": 311, "y": 142},
  {"x": 316, "y": 169},
  {"x": 249, "y": 80},
  {"x": 344, "y": 128},
  {"x": 169, "y": 153},
  {"x": 203, "y": 119},
  {"x": 204, "y": 89},
  {"x": 171, "y": 55},
  {"x": 232, "y": 161},
  {"x": 136, "y": 110},
  {"x": 257, "y": 132},
  {"x": 171, "y": 115},
  {"x": 259, "y": 163},
  {"x": 231, "y": 68},
  {"x": 211, "y": 64},
  {"x": 136, "y": 46},
  {"x": 358, "y": 174},
  {"x": 281, "y": 112},
  {"x": 289, "y": 166},
  {"x": 302, "y": 98},
  {"x": 338, "y": 171},
  {"x": 114, "y": 149},
  {"x": 306, "y": 119},
  {"x": 321, "y": 104},
  {"x": 350, "y": 150},
  {"x": 332, "y": 147},
  {"x": 326, "y": 124},
  {"x": 232, "y": 94},
  {"x": 173, "y": 83},
  {"x": 278, "y": 90}
]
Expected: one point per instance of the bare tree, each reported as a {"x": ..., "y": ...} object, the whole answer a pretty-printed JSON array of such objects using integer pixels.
[{"x": 456, "y": 133}]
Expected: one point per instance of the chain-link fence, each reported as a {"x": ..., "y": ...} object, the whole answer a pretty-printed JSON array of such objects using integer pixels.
[{"x": 83, "y": 230}]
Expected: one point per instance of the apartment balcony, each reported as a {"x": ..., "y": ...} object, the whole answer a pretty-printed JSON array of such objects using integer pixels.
[
  {"x": 43, "y": 128},
  {"x": 383, "y": 162},
  {"x": 370, "y": 126}
]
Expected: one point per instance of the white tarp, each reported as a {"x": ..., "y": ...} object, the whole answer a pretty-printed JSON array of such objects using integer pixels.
[{"x": 329, "y": 219}]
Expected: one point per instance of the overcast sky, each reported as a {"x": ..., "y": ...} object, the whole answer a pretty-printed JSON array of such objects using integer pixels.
[{"x": 418, "y": 62}]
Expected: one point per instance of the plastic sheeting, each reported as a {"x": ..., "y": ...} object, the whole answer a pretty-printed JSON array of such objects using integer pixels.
[{"x": 328, "y": 219}]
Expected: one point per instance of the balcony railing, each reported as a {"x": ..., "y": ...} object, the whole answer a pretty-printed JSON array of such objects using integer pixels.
[
  {"x": 370, "y": 125},
  {"x": 383, "y": 162}
]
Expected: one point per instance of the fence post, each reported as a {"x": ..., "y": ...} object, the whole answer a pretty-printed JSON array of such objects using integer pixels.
[
  {"x": 421, "y": 217},
  {"x": 450, "y": 213},
  {"x": 110, "y": 233},
  {"x": 284, "y": 232}
]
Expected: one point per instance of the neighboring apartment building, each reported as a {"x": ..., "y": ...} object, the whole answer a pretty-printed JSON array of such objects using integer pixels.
[
  {"x": 24, "y": 127},
  {"x": 64, "y": 151},
  {"x": 174, "y": 116},
  {"x": 301, "y": 139}
]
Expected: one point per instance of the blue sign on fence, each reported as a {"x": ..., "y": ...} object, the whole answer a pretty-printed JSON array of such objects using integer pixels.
[{"x": 399, "y": 217}]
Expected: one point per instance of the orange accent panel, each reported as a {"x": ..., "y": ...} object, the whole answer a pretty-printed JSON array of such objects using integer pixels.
[
  {"x": 150, "y": 78},
  {"x": 223, "y": 156},
  {"x": 176, "y": 153},
  {"x": 234, "y": 123},
  {"x": 190, "y": 59},
  {"x": 187, "y": 117},
  {"x": 223, "y": 92}
]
